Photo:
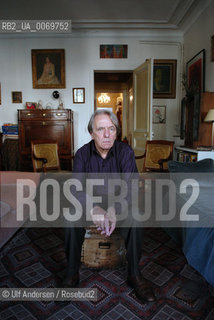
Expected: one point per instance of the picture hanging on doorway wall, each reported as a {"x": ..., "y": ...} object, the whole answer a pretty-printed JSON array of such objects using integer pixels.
[
  {"x": 159, "y": 114},
  {"x": 164, "y": 79},
  {"x": 113, "y": 51},
  {"x": 195, "y": 68}
]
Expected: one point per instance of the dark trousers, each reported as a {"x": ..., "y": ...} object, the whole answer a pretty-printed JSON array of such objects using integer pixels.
[{"x": 74, "y": 238}]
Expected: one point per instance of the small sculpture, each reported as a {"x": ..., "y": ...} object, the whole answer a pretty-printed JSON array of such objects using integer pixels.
[
  {"x": 61, "y": 106},
  {"x": 49, "y": 105},
  {"x": 39, "y": 105},
  {"x": 56, "y": 95}
]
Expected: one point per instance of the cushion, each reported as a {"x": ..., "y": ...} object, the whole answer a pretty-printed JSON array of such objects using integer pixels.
[{"x": 205, "y": 165}]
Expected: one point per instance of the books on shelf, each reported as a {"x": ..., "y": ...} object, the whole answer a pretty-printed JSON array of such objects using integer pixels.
[
  {"x": 186, "y": 154},
  {"x": 193, "y": 157},
  {"x": 10, "y": 131},
  {"x": 10, "y": 128},
  {"x": 9, "y": 136},
  {"x": 183, "y": 156}
]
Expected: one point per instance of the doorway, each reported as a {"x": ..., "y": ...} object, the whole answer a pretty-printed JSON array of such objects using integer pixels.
[{"x": 111, "y": 91}]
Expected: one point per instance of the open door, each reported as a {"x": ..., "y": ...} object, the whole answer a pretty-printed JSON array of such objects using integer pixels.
[{"x": 142, "y": 108}]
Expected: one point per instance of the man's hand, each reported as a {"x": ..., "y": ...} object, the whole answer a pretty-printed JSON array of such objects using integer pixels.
[
  {"x": 98, "y": 217},
  {"x": 105, "y": 221},
  {"x": 110, "y": 221}
]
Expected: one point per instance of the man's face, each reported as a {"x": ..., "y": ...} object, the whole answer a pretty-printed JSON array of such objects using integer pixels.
[{"x": 104, "y": 132}]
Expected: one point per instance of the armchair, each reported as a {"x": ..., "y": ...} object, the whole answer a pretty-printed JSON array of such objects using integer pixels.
[
  {"x": 45, "y": 155},
  {"x": 156, "y": 156}
]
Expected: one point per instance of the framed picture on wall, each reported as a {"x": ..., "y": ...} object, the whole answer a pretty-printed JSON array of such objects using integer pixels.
[
  {"x": 31, "y": 105},
  {"x": 78, "y": 95},
  {"x": 113, "y": 51},
  {"x": 195, "y": 70},
  {"x": 16, "y": 96},
  {"x": 164, "y": 79},
  {"x": 159, "y": 114},
  {"x": 48, "y": 68}
]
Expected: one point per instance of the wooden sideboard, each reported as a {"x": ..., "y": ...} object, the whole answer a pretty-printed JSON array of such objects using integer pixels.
[{"x": 46, "y": 124}]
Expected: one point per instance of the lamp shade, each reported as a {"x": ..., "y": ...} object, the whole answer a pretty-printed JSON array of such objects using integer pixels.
[{"x": 210, "y": 116}]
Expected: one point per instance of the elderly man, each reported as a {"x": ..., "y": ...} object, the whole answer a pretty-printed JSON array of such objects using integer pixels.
[{"x": 104, "y": 154}]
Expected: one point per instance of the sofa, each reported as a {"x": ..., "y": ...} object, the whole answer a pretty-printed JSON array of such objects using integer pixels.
[{"x": 195, "y": 237}]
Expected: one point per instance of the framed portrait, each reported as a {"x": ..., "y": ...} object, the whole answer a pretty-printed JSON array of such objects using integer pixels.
[
  {"x": 16, "y": 96},
  {"x": 164, "y": 78},
  {"x": 159, "y": 114},
  {"x": 195, "y": 71},
  {"x": 113, "y": 51},
  {"x": 31, "y": 105},
  {"x": 78, "y": 95},
  {"x": 48, "y": 68}
]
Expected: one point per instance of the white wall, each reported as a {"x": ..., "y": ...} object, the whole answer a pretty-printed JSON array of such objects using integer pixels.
[
  {"x": 198, "y": 37},
  {"x": 82, "y": 58}
]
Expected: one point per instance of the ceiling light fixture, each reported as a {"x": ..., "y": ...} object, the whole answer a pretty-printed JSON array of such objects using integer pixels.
[{"x": 104, "y": 98}]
